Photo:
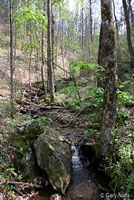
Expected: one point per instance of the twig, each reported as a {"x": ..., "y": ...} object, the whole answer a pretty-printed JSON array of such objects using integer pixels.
[
  {"x": 74, "y": 118},
  {"x": 17, "y": 191},
  {"x": 16, "y": 183}
]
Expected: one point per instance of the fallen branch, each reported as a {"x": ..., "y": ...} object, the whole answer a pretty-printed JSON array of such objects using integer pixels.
[
  {"x": 22, "y": 102},
  {"x": 17, "y": 183},
  {"x": 74, "y": 118}
]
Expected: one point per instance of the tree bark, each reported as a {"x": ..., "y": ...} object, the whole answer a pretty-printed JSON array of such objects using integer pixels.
[
  {"x": 128, "y": 29},
  {"x": 11, "y": 61},
  {"x": 53, "y": 40},
  {"x": 82, "y": 24},
  {"x": 62, "y": 45},
  {"x": 131, "y": 12},
  {"x": 49, "y": 53},
  {"x": 116, "y": 21},
  {"x": 108, "y": 58},
  {"x": 42, "y": 62},
  {"x": 91, "y": 21}
]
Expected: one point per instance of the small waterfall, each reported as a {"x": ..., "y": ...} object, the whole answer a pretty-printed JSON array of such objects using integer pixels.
[{"x": 76, "y": 163}]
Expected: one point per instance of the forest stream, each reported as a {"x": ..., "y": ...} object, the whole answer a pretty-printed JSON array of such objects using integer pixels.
[{"x": 86, "y": 183}]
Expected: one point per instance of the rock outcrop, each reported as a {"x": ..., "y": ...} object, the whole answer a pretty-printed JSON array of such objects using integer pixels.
[
  {"x": 22, "y": 140},
  {"x": 53, "y": 154}
]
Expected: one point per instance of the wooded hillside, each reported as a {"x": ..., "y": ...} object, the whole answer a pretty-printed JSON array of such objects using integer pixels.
[{"x": 71, "y": 63}]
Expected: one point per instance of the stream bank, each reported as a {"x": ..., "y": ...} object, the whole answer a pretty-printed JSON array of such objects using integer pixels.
[{"x": 86, "y": 184}]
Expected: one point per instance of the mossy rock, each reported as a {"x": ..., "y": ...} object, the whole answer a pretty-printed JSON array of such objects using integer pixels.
[
  {"x": 54, "y": 156},
  {"x": 22, "y": 140},
  {"x": 64, "y": 119}
]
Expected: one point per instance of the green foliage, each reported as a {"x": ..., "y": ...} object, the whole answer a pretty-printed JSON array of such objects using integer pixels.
[
  {"x": 86, "y": 66},
  {"x": 4, "y": 110},
  {"x": 34, "y": 18},
  {"x": 96, "y": 94},
  {"x": 14, "y": 122},
  {"x": 70, "y": 90},
  {"x": 30, "y": 14},
  {"x": 124, "y": 97},
  {"x": 120, "y": 164},
  {"x": 4, "y": 40},
  {"x": 89, "y": 132},
  {"x": 121, "y": 116},
  {"x": 43, "y": 120},
  {"x": 121, "y": 168},
  {"x": 1, "y": 80},
  {"x": 92, "y": 97},
  {"x": 9, "y": 174}
]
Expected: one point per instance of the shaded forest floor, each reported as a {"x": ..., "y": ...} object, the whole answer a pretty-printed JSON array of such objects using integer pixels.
[
  {"x": 79, "y": 105},
  {"x": 85, "y": 118}
]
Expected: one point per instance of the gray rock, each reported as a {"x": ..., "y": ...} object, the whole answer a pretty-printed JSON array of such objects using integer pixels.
[
  {"x": 55, "y": 197},
  {"x": 23, "y": 142},
  {"x": 53, "y": 154}
]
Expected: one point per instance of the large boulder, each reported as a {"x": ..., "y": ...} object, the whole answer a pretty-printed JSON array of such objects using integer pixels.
[{"x": 54, "y": 156}]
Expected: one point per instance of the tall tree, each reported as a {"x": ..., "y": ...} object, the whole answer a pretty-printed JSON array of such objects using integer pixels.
[
  {"x": 49, "y": 52},
  {"x": 42, "y": 56},
  {"x": 11, "y": 59},
  {"x": 108, "y": 58},
  {"x": 131, "y": 12},
  {"x": 116, "y": 21},
  {"x": 129, "y": 41},
  {"x": 82, "y": 24},
  {"x": 91, "y": 21}
]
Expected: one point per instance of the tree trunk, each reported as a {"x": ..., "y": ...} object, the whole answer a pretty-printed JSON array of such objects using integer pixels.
[
  {"x": 11, "y": 61},
  {"x": 129, "y": 41},
  {"x": 62, "y": 45},
  {"x": 131, "y": 12},
  {"x": 109, "y": 62},
  {"x": 101, "y": 56},
  {"x": 42, "y": 62},
  {"x": 91, "y": 21},
  {"x": 53, "y": 40},
  {"x": 49, "y": 53},
  {"x": 116, "y": 22},
  {"x": 82, "y": 25}
]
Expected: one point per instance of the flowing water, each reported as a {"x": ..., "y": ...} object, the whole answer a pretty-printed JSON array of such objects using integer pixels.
[
  {"x": 76, "y": 163},
  {"x": 83, "y": 185}
]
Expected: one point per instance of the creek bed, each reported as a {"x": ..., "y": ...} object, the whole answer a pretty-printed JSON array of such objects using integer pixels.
[{"x": 84, "y": 184}]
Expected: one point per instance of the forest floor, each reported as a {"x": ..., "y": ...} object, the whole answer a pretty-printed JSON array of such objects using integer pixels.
[
  {"x": 68, "y": 111},
  {"x": 26, "y": 109}
]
